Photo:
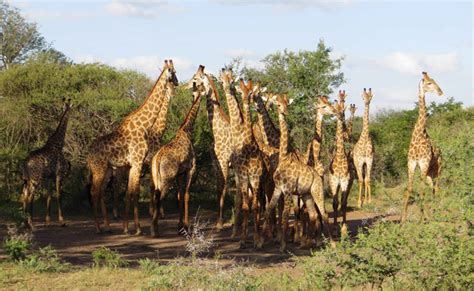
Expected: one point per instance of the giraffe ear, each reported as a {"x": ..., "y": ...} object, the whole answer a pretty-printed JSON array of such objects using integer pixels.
[
  {"x": 291, "y": 100},
  {"x": 264, "y": 98},
  {"x": 264, "y": 89}
]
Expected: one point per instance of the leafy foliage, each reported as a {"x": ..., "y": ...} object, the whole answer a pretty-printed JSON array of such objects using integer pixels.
[
  {"x": 45, "y": 260},
  {"x": 107, "y": 258}
]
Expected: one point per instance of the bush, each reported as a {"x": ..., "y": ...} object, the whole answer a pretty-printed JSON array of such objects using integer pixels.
[
  {"x": 16, "y": 243},
  {"x": 107, "y": 258},
  {"x": 46, "y": 260},
  {"x": 148, "y": 265}
]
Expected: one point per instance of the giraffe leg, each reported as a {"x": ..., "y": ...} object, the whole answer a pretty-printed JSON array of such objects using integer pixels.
[
  {"x": 273, "y": 203},
  {"x": 151, "y": 205},
  {"x": 286, "y": 215},
  {"x": 49, "y": 195},
  {"x": 297, "y": 211},
  {"x": 428, "y": 185},
  {"x": 334, "y": 186},
  {"x": 245, "y": 212},
  {"x": 98, "y": 184},
  {"x": 59, "y": 200},
  {"x": 256, "y": 192},
  {"x": 237, "y": 209},
  {"x": 360, "y": 181},
  {"x": 28, "y": 198},
  {"x": 312, "y": 217},
  {"x": 317, "y": 192},
  {"x": 159, "y": 196},
  {"x": 181, "y": 181},
  {"x": 368, "y": 191},
  {"x": 409, "y": 190},
  {"x": 189, "y": 178},
  {"x": 222, "y": 172},
  {"x": 344, "y": 197},
  {"x": 132, "y": 196}
]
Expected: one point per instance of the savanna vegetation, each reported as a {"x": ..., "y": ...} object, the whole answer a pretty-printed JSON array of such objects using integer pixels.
[{"x": 436, "y": 254}]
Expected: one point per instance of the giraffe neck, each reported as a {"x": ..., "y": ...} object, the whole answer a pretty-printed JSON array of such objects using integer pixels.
[
  {"x": 283, "y": 135},
  {"x": 147, "y": 113},
  {"x": 188, "y": 123},
  {"x": 235, "y": 113},
  {"x": 365, "y": 123},
  {"x": 213, "y": 105},
  {"x": 349, "y": 127},
  {"x": 421, "y": 122},
  {"x": 318, "y": 125},
  {"x": 159, "y": 125},
  {"x": 246, "y": 114},
  {"x": 56, "y": 140},
  {"x": 269, "y": 133},
  {"x": 339, "y": 137}
]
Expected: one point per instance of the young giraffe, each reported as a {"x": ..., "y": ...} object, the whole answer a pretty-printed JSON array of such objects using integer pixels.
[
  {"x": 176, "y": 160},
  {"x": 363, "y": 153},
  {"x": 47, "y": 166},
  {"x": 294, "y": 177},
  {"x": 128, "y": 146},
  {"x": 421, "y": 152},
  {"x": 222, "y": 146},
  {"x": 339, "y": 170},
  {"x": 246, "y": 158}
]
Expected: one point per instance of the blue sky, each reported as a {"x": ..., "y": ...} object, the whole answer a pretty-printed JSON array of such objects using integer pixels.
[{"x": 386, "y": 44}]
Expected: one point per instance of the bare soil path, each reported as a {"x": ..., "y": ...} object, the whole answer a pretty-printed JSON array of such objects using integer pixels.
[{"x": 76, "y": 241}]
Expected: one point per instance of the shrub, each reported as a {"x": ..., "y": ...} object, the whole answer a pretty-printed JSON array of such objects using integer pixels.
[
  {"x": 17, "y": 244},
  {"x": 46, "y": 260},
  {"x": 148, "y": 265},
  {"x": 105, "y": 257}
]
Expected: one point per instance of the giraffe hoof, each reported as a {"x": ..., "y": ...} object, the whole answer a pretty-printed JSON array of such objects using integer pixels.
[
  {"x": 62, "y": 224},
  {"x": 138, "y": 232},
  {"x": 219, "y": 226},
  {"x": 359, "y": 204},
  {"x": 125, "y": 232},
  {"x": 282, "y": 249},
  {"x": 242, "y": 245}
]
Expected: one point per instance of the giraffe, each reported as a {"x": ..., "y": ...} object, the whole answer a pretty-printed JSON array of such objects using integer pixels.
[
  {"x": 222, "y": 146},
  {"x": 154, "y": 142},
  {"x": 47, "y": 166},
  {"x": 246, "y": 157},
  {"x": 176, "y": 160},
  {"x": 294, "y": 177},
  {"x": 363, "y": 153},
  {"x": 127, "y": 146},
  {"x": 339, "y": 168},
  {"x": 421, "y": 152}
]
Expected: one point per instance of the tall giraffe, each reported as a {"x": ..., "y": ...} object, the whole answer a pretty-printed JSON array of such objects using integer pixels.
[
  {"x": 47, "y": 166},
  {"x": 294, "y": 177},
  {"x": 128, "y": 146},
  {"x": 246, "y": 158},
  {"x": 339, "y": 171},
  {"x": 176, "y": 160},
  {"x": 154, "y": 136},
  {"x": 222, "y": 145},
  {"x": 363, "y": 153},
  {"x": 422, "y": 153}
]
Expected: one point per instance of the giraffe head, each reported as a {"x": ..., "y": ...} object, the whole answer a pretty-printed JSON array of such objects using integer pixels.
[
  {"x": 67, "y": 104},
  {"x": 428, "y": 84},
  {"x": 339, "y": 109},
  {"x": 367, "y": 96},
  {"x": 199, "y": 83},
  {"x": 282, "y": 102},
  {"x": 324, "y": 106},
  {"x": 227, "y": 78},
  {"x": 171, "y": 79},
  {"x": 352, "y": 109},
  {"x": 342, "y": 96}
]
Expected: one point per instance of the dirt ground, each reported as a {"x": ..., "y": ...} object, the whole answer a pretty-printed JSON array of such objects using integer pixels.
[{"x": 76, "y": 241}]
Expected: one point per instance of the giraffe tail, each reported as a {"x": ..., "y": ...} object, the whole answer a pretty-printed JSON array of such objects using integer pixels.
[{"x": 86, "y": 191}]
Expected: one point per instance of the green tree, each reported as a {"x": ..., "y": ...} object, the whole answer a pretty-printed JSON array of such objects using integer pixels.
[
  {"x": 18, "y": 38},
  {"x": 304, "y": 75}
]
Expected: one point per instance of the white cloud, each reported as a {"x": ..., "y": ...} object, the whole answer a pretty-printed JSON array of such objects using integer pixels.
[
  {"x": 149, "y": 65},
  {"x": 409, "y": 63},
  {"x": 234, "y": 53},
  {"x": 141, "y": 9},
  {"x": 285, "y": 4}
]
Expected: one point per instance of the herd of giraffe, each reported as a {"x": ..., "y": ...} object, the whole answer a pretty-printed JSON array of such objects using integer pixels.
[{"x": 272, "y": 178}]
